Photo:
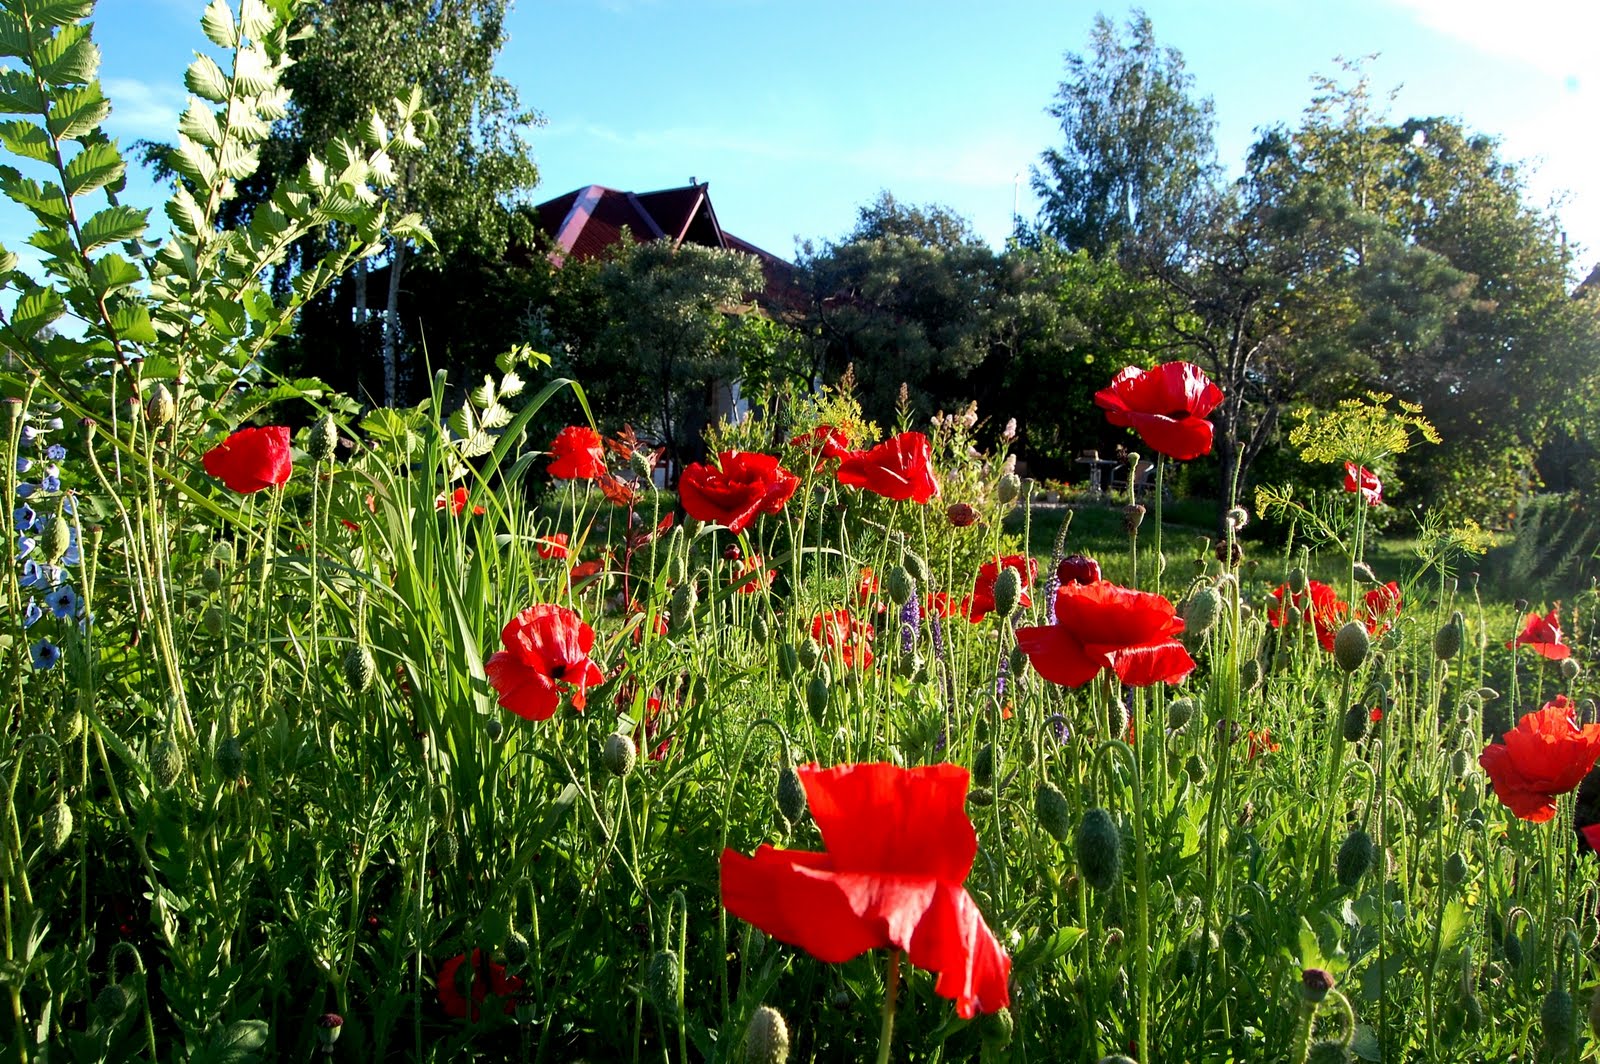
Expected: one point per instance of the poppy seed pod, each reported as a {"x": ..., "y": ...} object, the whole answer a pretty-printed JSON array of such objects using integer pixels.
[
  {"x": 1200, "y": 615},
  {"x": 57, "y": 825},
  {"x": 1098, "y": 848},
  {"x": 619, "y": 754},
  {"x": 1315, "y": 984},
  {"x": 899, "y": 584},
  {"x": 1354, "y": 858},
  {"x": 1451, "y": 635},
  {"x": 1238, "y": 517},
  {"x": 230, "y": 758},
  {"x": 1052, "y": 811},
  {"x": 329, "y": 1024},
  {"x": 1350, "y": 646},
  {"x": 1007, "y": 592},
  {"x": 760, "y": 627},
  {"x": 58, "y": 536},
  {"x": 210, "y": 579},
  {"x": 360, "y": 669},
  {"x": 766, "y": 1040},
  {"x": 1298, "y": 581},
  {"x": 1009, "y": 489},
  {"x": 917, "y": 568},
  {"x": 810, "y": 653},
  {"x": 791, "y": 796},
  {"x": 1558, "y": 1021},
  {"x": 214, "y": 621},
  {"x": 1132, "y": 517},
  {"x": 166, "y": 763},
  {"x": 323, "y": 441},
  {"x": 159, "y": 406},
  {"x": 1455, "y": 868},
  {"x": 663, "y": 982}
]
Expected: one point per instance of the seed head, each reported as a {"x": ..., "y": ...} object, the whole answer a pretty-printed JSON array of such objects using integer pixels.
[
  {"x": 1315, "y": 984},
  {"x": 1132, "y": 517},
  {"x": 329, "y": 1024},
  {"x": 766, "y": 1040}
]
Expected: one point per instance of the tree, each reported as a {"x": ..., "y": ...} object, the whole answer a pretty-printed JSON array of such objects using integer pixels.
[{"x": 1138, "y": 165}]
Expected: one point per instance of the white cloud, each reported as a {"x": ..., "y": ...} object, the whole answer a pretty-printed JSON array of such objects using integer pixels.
[
  {"x": 1558, "y": 37},
  {"x": 139, "y": 109}
]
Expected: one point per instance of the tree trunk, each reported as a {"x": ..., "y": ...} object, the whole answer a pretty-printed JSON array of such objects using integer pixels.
[{"x": 391, "y": 327}]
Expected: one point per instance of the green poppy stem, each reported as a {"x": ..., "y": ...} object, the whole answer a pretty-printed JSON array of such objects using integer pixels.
[{"x": 892, "y": 986}]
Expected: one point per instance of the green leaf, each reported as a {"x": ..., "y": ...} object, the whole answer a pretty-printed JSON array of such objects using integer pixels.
[
  {"x": 78, "y": 112},
  {"x": 252, "y": 72},
  {"x": 19, "y": 94},
  {"x": 218, "y": 25},
  {"x": 256, "y": 20},
  {"x": 132, "y": 323},
  {"x": 96, "y": 166},
  {"x": 60, "y": 12},
  {"x": 206, "y": 80},
  {"x": 26, "y": 139},
  {"x": 199, "y": 124},
  {"x": 114, "y": 225},
  {"x": 194, "y": 162},
  {"x": 46, "y": 204},
  {"x": 68, "y": 58},
  {"x": 111, "y": 272},
  {"x": 237, "y": 1043},
  {"x": 184, "y": 213},
  {"x": 35, "y": 309}
]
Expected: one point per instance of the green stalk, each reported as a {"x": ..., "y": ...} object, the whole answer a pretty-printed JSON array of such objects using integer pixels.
[{"x": 886, "y": 1032}]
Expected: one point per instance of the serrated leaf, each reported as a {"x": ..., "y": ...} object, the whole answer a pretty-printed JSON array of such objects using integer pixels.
[
  {"x": 483, "y": 395},
  {"x": 462, "y": 422},
  {"x": 78, "y": 112},
  {"x": 217, "y": 24},
  {"x": 111, "y": 272},
  {"x": 60, "y": 12},
  {"x": 114, "y": 225},
  {"x": 238, "y": 1043},
  {"x": 238, "y": 161},
  {"x": 26, "y": 139},
  {"x": 19, "y": 94},
  {"x": 8, "y": 261},
  {"x": 69, "y": 58},
  {"x": 252, "y": 72},
  {"x": 35, "y": 309},
  {"x": 193, "y": 161},
  {"x": 46, "y": 204},
  {"x": 511, "y": 384},
  {"x": 375, "y": 132},
  {"x": 96, "y": 166},
  {"x": 199, "y": 123},
  {"x": 206, "y": 80},
  {"x": 255, "y": 19},
  {"x": 494, "y": 416},
  {"x": 476, "y": 445},
  {"x": 184, "y": 213},
  {"x": 132, "y": 323}
]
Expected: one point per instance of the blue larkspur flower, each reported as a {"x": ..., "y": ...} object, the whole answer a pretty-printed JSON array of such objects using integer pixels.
[
  {"x": 24, "y": 463},
  {"x": 56, "y": 453},
  {"x": 63, "y": 602},
  {"x": 51, "y": 481},
  {"x": 32, "y": 614},
  {"x": 25, "y": 545},
  {"x": 25, "y": 489},
  {"x": 26, "y": 518},
  {"x": 45, "y": 654},
  {"x": 73, "y": 555},
  {"x": 35, "y": 574},
  {"x": 30, "y": 434}
]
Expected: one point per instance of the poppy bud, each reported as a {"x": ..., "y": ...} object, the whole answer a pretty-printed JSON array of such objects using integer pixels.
[
  {"x": 222, "y": 553},
  {"x": 1520, "y": 606},
  {"x": 360, "y": 669},
  {"x": 493, "y": 729},
  {"x": 1051, "y": 809},
  {"x": 788, "y": 661},
  {"x": 961, "y": 515},
  {"x": 1354, "y": 858},
  {"x": 817, "y": 696},
  {"x": 619, "y": 754},
  {"x": 917, "y": 568},
  {"x": 1179, "y": 712},
  {"x": 1511, "y": 946},
  {"x": 1009, "y": 489},
  {"x": 1132, "y": 517},
  {"x": 1007, "y": 592},
  {"x": 1018, "y": 661},
  {"x": 760, "y": 627},
  {"x": 791, "y": 796},
  {"x": 230, "y": 758},
  {"x": 1098, "y": 847},
  {"x": 899, "y": 584},
  {"x": 1078, "y": 569},
  {"x": 1116, "y": 1058},
  {"x": 1315, "y": 984},
  {"x": 1117, "y": 719},
  {"x": 57, "y": 825},
  {"x": 1328, "y": 1051},
  {"x": 516, "y": 949},
  {"x": 1460, "y": 761},
  {"x": 159, "y": 406},
  {"x": 1448, "y": 639},
  {"x": 69, "y": 725},
  {"x": 1356, "y": 719},
  {"x": 680, "y": 614},
  {"x": 1455, "y": 869},
  {"x": 166, "y": 763},
  {"x": 1201, "y": 613},
  {"x": 1488, "y": 694},
  {"x": 1594, "y": 1016},
  {"x": 663, "y": 981},
  {"x": 995, "y": 1029},
  {"x": 446, "y": 848},
  {"x": 1195, "y": 767},
  {"x": 1471, "y": 794},
  {"x": 1297, "y": 581},
  {"x": 58, "y": 536},
  {"x": 980, "y": 796},
  {"x": 983, "y": 765},
  {"x": 810, "y": 654},
  {"x": 677, "y": 564},
  {"x": 323, "y": 441},
  {"x": 1558, "y": 1021},
  {"x": 214, "y": 621},
  {"x": 766, "y": 1040},
  {"x": 210, "y": 579},
  {"x": 1570, "y": 669},
  {"x": 642, "y": 464},
  {"x": 1350, "y": 646},
  {"x": 111, "y": 1005}
]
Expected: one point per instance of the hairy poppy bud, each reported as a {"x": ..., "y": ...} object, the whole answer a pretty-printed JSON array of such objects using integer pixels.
[
  {"x": 899, "y": 584},
  {"x": 1328, "y": 1051},
  {"x": 210, "y": 579},
  {"x": 980, "y": 796},
  {"x": 1558, "y": 1021},
  {"x": 680, "y": 613},
  {"x": 663, "y": 981},
  {"x": 230, "y": 758},
  {"x": 917, "y": 568},
  {"x": 817, "y": 696},
  {"x": 1460, "y": 762},
  {"x": 1179, "y": 712},
  {"x": 766, "y": 1040},
  {"x": 1195, "y": 767},
  {"x": 1350, "y": 646},
  {"x": 1009, "y": 489},
  {"x": 1051, "y": 809},
  {"x": 1249, "y": 676},
  {"x": 214, "y": 621},
  {"x": 1298, "y": 581},
  {"x": 57, "y": 825},
  {"x": 760, "y": 627},
  {"x": 446, "y": 848},
  {"x": 1570, "y": 669},
  {"x": 619, "y": 754},
  {"x": 983, "y": 765},
  {"x": 166, "y": 763},
  {"x": 677, "y": 564},
  {"x": 810, "y": 654},
  {"x": 111, "y": 1005},
  {"x": 1520, "y": 606},
  {"x": 1455, "y": 868},
  {"x": 1451, "y": 635},
  {"x": 1354, "y": 858},
  {"x": 360, "y": 669},
  {"x": 791, "y": 796},
  {"x": 788, "y": 661},
  {"x": 1098, "y": 847},
  {"x": 493, "y": 729},
  {"x": 643, "y": 465},
  {"x": 517, "y": 951},
  {"x": 1315, "y": 984},
  {"x": 323, "y": 441},
  {"x": 1471, "y": 794},
  {"x": 1356, "y": 719},
  {"x": 159, "y": 406},
  {"x": 1201, "y": 613},
  {"x": 995, "y": 1029},
  {"x": 58, "y": 536},
  {"x": 1007, "y": 592},
  {"x": 1117, "y": 719}
]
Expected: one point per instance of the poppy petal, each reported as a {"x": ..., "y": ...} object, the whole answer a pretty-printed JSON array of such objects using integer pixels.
[
  {"x": 1161, "y": 663},
  {"x": 889, "y": 820},
  {"x": 790, "y": 896},
  {"x": 1057, "y": 656},
  {"x": 953, "y": 941}
]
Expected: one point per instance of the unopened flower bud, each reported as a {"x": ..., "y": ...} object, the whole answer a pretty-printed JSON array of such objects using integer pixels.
[
  {"x": 1328, "y": 1051},
  {"x": 899, "y": 584},
  {"x": 680, "y": 612},
  {"x": 643, "y": 465},
  {"x": 1249, "y": 675},
  {"x": 516, "y": 949},
  {"x": 214, "y": 621},
  {"x": 995, "y": 1029},
  {"x": 760, "y": 627},
  {"x": 1558, "y": 1021},
  {"x": 1521, "y": 605},
  {"x": 1053, "y": 813},
  {"x": 817, "y": 696},
  {"x": 961, "y": 515},
  {"x": 111, "y": 1005},
  {"x": 1179, "y": 712},
  {"x": 58, "y": 536},
  {"x": 810, "y": 654},
  {"x": 1356, "y": 719},
  {"x": 1078, "y": 569},
  {"x": 360, "y": 669},
  {"x": 323, "y": 442},
  {"x": 677, "y": 565},
  {"x": 1570, "y": 669},
  {"x": 1315, "y": 984},
  {"x": 230, "y": 758},
  {"x": 1009, "y": 489},
  {"x": 446, "y": 848},
  {"x": 982, "y": 797},
  {"x": 766, "y": 1040},
  {"x": 1455, "y": 868},
  {"x": 1195, "y": 767},
  {"x": 917, "y": 568},
  {"x": 1451, "y": 635},
  {"x": 983, "y": 765},
  {"x": 619, "y": 754},
  {"x": 1350, "y": 646},
  {"x": 1354, "y": 858},
  {"x": 1007, "y": 592},
  {"x": 166, "y": 763},
  {"x": 1201, "y": 613},
  {"x": 210, "y": 579},
  {"x": 1098, "y": 848},
  {"x": 791, "y": 796},
  {"x": 159, "y": 406},
  {"x": 1238, "y": 517},
  {"x": 788, "y": 661},
  {"x": 1298, "y": 581},
  {"x": 663, "y": 981},
  {"x": 57, "y": 825}
]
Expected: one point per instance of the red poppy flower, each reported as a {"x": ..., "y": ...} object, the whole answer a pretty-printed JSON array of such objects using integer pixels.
[
  {"x": 836, "y": 628},
  {"x": 1259, "y": 742},
  {"x": 961, "y": 515},
  {"x": 251, "y": 459},
  {"x": 546, "y": 650},
  {"x": 1167, "y": 406},
  {"x": 578, "y": 453},
  {"x": 1103, "y": 626},
  {"x": 749, "y": 575},
  {"x": 899, "y": 847},
  {"x": 940, "y": 603},
  {"x": 744, "y": 484},
  {"x": 867, "y": 586},
  {"x": 552, "y": 546},
  {"x": 457, "y": 501},
  {"x": 899, "y": 468},
  {"x": 1543, "y": 635},
  {"x": 1383, "y": 606},
  {"x": 486, "y": 978},
  {"x": 351, "y": 525},
  {"x": 584, "y": 572},
  {"x": 1360, "y": 478},
  {"x": 1544, "y": 756},
  {"x": 1319, "y": 604},
  {"x": 981, "y": 602},
  {"x": 824, "y": 441},
  {"x": 1078, "y": 569}
]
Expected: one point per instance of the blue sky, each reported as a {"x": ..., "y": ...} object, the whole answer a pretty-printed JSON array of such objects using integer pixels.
[{"x": 797, "y": 114}]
